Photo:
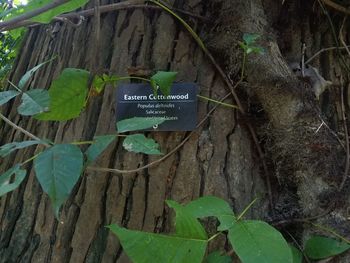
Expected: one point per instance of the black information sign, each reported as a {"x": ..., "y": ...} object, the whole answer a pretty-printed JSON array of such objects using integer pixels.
[{"x": 179, "y": 108}]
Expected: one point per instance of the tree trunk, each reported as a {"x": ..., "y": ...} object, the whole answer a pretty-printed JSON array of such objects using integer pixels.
[{"x": 219, "y": 159}]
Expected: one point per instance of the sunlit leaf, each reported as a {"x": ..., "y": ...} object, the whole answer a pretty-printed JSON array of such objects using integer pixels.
[
  {"x": 48, "y": 15},
  {"x": 138, "y": 143},
  {"x": 67, "y": 95}
]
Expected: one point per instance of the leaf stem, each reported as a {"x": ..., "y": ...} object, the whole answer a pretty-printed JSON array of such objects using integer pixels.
[
  {"x": 92, "y": 142},
  {"x": 218, "y": 102},
  {"x": 214, "y": 236},
  {"x": 331, "y": 231},
  {"x": 243, "y": 64},
  {"x": 138, "y": 78},
  {"x": 17, "y": 88},
  {"x": 246, "y": 209},
  {"x": 30, "y": 159},
  {"x": 82, "y": 142}
]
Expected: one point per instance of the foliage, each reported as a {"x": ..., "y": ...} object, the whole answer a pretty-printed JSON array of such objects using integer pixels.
[
  {"x": 138, "y": 123},
  {"x": 217, "y": 257},
  {"x": 10, "y": 147},
  {"x": 99, "y": 145},
  {"x": 8, "y": 183},
  {"x": 252, "y": 240},
  {"x": 47, "y": 16},
  {"x": 318, "y": 247},
  {"x": 163, "y": 80},
  {"x": 67, "y": 95},
  {"x": 248, "y": 45},
  {"x": 58, "y": 168},
  {"x": 140, "y": 144},
  {"x": 8, "y": 52}
]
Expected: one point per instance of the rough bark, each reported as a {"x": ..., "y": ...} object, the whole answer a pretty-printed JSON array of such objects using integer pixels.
[
  {"x": 219, "y": 159},
  {"x": 309, "y": 158}
]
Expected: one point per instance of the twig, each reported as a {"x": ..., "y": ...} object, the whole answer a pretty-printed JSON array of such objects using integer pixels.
[
  {"x": 30, "y": 14},
  {"x": 302, "y": 220},
  {"x": 346, "y": 170},
  {"x": 303, "y": 50},
  {"x": 332, "y": 132},
  {"x": 337, "y": 7},
  {"x": 331, "y": 231},
  {"x": 30, "y": 135},
  {"x": 341, "y": 36},
  {"x": 96, "y": 42},
  {"x": 323, "y": 50}
]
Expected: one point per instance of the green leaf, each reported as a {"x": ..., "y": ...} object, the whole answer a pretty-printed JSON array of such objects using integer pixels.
[
  {"x": 250, "y": 39},
  {"x": 99, "y": 82},
  {"x": 99, "y": 145},
  {"x": 48, "y": 15},
  {"x": 217, "y": 257},
  {"x": 256, "y": 241},
  {"x": 138, "y": 123},
  {"x": 186, "y": 224},
  {"x": 58, "y": 170},
  {"x": 67, "y": 95},
  {"x": 213, "y": 206},
  {"x": 138, "y": 143},
  {"x": 67, "y": 7},
  {"x": 5, "y": 96},
  {"x": 258, "y": 50},
  {"x": 164, "y": 80},
  {"x": 144, "y": 247},
  {"x": 8, "y": 185},
  {"x": 297, "y": 255},
  {"x": 10, "y": 147},
  {"x": 34, "y": 101},
  {"x": 30, "y": 73},
  {"x": 318, "y": 247}
]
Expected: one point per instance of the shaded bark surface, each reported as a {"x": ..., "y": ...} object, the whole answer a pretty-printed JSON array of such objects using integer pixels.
[{"x": 219, "y": 159}]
